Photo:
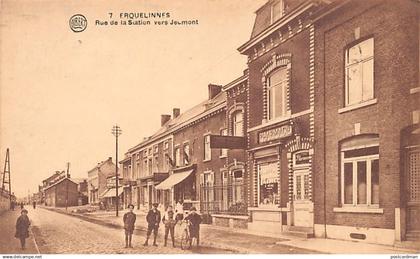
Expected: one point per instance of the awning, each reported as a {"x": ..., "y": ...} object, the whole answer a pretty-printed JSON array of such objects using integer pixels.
[
  {"x": 111, "y": 193},
  {"x": 173, "y": 180}
]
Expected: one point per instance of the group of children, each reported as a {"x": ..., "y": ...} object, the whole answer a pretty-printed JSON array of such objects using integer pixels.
[
  {"x": 153, "y": 218},
  {"x": 169, "y": 219}
]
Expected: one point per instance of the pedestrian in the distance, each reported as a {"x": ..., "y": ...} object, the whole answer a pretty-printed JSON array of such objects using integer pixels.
[
  {"x": 194, "y": 226},
  {"x": 22, "y": 227},
  {"x": 129, "y": 220},
  {"x": 170, "y": 222},
  {"x": 153, "y": 220},
  {"x": 21, "y": 205},
  {"x": 34, "y": 204},
  {"x": 12, "y": 205}
]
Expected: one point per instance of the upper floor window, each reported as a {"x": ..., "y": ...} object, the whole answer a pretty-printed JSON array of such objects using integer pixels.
[
  {"x": 166, "y": 145},
  {"x": 150, "y": 164},
  {"x": 177, "y": 156},
  {"x": 359, "y": 73},
  {"x": 277, "y": 10},
  {"x": 223, "y": 151},
  {"x": 186, "y": 154},
  {"x": 360, "y": 172},
  {"x": 156, "y": 149},
  {"x": 207, "y": 149},
  {"x": 276, "y": 93},
  {"x": 238, "y": 123}
]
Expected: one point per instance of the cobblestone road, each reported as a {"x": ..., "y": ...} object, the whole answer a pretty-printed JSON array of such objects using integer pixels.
[{"x": 58, "y": 233}]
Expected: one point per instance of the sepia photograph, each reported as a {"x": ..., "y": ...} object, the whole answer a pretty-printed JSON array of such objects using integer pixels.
[{"x": 180, "y": 127}]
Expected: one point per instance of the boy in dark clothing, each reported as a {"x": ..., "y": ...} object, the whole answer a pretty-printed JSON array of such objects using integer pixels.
[
  {"x": 170, "y": 222},
  {"x": 129, "y": 220},
  {"x": 194, "y": 227},
  {"x": 153, "y": 219},
  {"x": 22, "y": 228}
]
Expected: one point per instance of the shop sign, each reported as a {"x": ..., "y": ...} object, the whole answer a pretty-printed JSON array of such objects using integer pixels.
[
  {"x": 302, "y": 158},
  {"x": 276, "y": 133}
]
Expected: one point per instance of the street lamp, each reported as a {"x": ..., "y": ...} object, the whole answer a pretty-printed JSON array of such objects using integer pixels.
[{"x": 116, "y": 131}]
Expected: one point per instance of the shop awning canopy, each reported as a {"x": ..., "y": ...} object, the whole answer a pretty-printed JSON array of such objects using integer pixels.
[
  {"x": 111, "y": 193},
  {"x": 173, "y": 180}
]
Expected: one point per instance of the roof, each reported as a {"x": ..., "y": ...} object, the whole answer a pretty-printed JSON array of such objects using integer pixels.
[
  {"x": 79, "y": 180},
  {"x": 60, "y": 182},
  {"x": 198, "y": 111},
  {"x": 264, "y": 28},
  {"x": 99, "y": 165}
]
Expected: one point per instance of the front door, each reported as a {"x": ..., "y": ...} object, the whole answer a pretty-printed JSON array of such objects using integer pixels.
[
  {"x": 302, "y": 206},
  {"x": 413, "y": 189}
]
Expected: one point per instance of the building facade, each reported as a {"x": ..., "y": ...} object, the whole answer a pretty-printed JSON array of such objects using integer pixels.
[
  {"x": 280, "y": 117},
  {"x": 367, "y": 121},
  {"x": 97, "y": 179},
  {"x": 62, "y": 193}
]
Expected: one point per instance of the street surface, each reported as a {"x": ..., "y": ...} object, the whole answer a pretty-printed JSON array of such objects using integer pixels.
[{"x": 57, "y": 233}]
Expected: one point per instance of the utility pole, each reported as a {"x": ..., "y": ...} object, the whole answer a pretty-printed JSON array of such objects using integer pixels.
[
  {"x": 116, "y": 131},
  {"x": 67, "y": 184},
  {"x": 6, "y": 178}
]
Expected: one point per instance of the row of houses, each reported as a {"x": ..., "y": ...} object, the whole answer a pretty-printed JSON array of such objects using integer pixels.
[{"x": 318, "y": 137}]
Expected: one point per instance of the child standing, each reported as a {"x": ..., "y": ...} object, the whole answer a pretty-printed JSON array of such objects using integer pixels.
[
  {"x": 22, "y": 227},
  {"x": 170, "y": 222},
  {"x": 129, "y": 220}
]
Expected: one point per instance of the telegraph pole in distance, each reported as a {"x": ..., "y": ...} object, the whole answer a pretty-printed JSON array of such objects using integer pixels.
[
  {"x": 7, "y": 180},
  {"x": 116, "y": 131},
  {"x": 67, "y": 184}
]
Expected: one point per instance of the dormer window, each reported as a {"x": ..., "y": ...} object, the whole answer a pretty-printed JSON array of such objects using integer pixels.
[{"x": 277, "y": 9}]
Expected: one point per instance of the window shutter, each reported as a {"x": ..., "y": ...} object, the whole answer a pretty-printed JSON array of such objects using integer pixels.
[{"x": 212, "y": 178}]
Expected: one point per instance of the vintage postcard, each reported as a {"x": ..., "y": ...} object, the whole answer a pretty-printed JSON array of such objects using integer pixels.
[{"x": 209, "y": 127}]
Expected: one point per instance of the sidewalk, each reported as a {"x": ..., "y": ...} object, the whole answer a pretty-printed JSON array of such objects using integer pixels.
[
  {"x": 244, "y": 241},
  {"x": 8, "y": 243}
]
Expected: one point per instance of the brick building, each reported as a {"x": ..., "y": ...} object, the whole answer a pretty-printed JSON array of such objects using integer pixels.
[
  {"x": 197, "y": 167},
  {"x": 280, "y": 117},
  {"x": 97, "y": 179},
  {"x": 367, "y": 121},
  {"x": 62, "y": 193}
]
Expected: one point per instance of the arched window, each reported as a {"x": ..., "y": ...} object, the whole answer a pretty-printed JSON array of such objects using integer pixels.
[
  {"x": 238, "y": 123},
  {"x": 360, "y": 171},
  {"x": 276, "y": 93}
]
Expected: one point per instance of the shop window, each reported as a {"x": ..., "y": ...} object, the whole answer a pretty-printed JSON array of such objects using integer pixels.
[
  {"x": 223, "y": 151},
  {"x": 359, "y": 73},
  {"x": 207, "y": 149},
  {"x": 360, "y": 172},
  {"x": 276, "y": 93},
  {"x": 268, "y": 184},
  {"x": 238, "y": 124}
]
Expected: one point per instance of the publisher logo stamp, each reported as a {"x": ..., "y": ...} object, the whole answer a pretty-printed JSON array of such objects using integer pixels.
[{"x": 78, "y": 23}]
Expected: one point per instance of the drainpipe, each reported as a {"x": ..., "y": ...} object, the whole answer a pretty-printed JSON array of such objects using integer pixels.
[{"x": 325, "y": 135}]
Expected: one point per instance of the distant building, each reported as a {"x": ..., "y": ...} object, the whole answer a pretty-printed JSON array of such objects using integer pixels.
[
  {"x": 62, "y": 193},
  {"x": 82, "y": 188},
  {"x": 108, "y": 197},
  {"x": 97, "y": 179}
]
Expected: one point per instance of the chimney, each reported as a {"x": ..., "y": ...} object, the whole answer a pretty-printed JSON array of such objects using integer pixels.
[
  {"x": 214, "y": 90},
  {"x": 110, "y": 158},
  {"x": 164, "y": 118},
  {"x": 176, "y": 112}
]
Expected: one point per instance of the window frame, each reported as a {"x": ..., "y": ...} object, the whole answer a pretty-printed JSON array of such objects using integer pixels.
[
  {"x": 283, "y": 84},
  {"x": 177, "y": 157},
  {"x": 223, "y": 151},
  {"x": 354, "y": 160},
  {"x": 347, "y": 48},
  {"x": 281, "y": 2},
  {"x": 205, "y": 152}
]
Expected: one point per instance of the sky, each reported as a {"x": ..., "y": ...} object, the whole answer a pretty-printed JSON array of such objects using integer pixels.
[{"x": 61, "y": 92}]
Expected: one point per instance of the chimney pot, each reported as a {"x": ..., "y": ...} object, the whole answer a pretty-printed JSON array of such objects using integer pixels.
[
  {"x": 214, "y": 90},
  {"x": 164, "y": 118},
  {"x": 176, "y": 112}
]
